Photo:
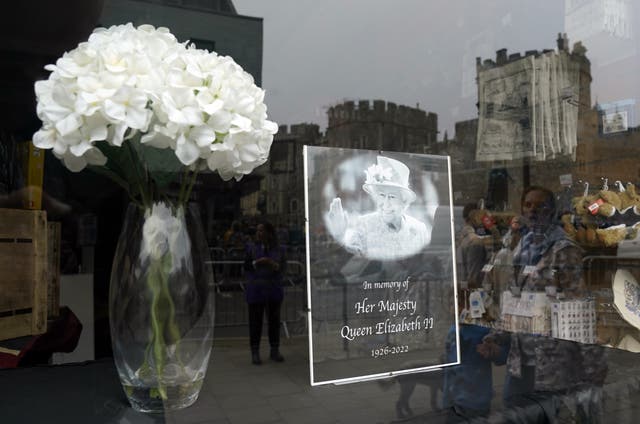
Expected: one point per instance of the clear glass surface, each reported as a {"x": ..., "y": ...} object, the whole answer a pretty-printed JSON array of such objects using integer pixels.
[{"x": 161, "y": 308}]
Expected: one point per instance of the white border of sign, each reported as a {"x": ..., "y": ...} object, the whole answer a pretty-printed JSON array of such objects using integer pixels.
[{"x": 385, "y": 374}]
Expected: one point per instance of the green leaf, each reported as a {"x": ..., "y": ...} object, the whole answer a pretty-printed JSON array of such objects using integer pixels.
[
  {"x": 122, "y": 163},
  {"x": 163, "y": 164},
  {"x": 109, "y": 173}
]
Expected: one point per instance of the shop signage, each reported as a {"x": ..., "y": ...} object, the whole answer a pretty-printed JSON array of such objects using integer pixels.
[
  {"x": 614, "y": 122},
  {"x": 380, "y": 264}
]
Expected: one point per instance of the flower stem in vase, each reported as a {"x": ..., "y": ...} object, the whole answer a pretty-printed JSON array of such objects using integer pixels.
[{"x": 194, "y": 176}]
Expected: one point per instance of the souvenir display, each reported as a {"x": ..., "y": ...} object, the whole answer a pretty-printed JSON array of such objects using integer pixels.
[
  {"x": 626, "y": 296},
  {"x": 574, "y": 320}
]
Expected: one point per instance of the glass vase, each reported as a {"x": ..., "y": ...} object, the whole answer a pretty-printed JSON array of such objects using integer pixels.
[{"x": 161, "y": 307}]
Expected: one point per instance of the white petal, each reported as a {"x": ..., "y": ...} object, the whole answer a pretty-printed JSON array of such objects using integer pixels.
[
  {"x": 45, "y": 138},
  {"x": 241, "y": 122},
  {"x": 74, "y": 163},
  {"x": 81, "y": 148},
  {"x": 89, "y": 83},
  {"x": 250, "y": 152},
  {"x": 215, "y": 161},
  {"x": 95, "y": 157},
  {"x": 43, "y": 88},
  {"x": 187, "y": 152},
  {"x": 246, "y": 105},
  {"x": 220, "y": 121},
  {"x": 138, "y": 100},
  {"x": 193, "y": 115},
  {"x": 54, "y": 112},
  {"x": 114, "y": 111},
  {"x": 203, "y": 135},
  {"x": 98, "y": 133},
  {"x": 118, "y": 134},
  {"x": 270, "y": 126},
  {"x": 69, "y": 124},
  {"x": 138, "y": 118},
  {"x": 213, "y": 107},
  {"x": 59, "y": 149},
  {"x": 61, "y": 96},
  {"x": 156, "y": 139}
]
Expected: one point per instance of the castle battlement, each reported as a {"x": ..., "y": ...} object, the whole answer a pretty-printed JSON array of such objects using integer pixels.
[
  {"x": 303, "y": 131},
  {"x": 377, "y": 110},
  {"x": 502, "y": 58}
]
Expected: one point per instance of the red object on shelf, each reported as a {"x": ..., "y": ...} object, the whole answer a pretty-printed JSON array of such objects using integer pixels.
[{"x": 61, "y": 336}]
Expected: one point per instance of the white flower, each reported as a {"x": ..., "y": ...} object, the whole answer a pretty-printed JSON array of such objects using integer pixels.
[
  {"x": 377, "y": 174},
  {"x": 165, "y": 232},
  {"x": 75, "y": 163},
  {"x": 126, "y": 81}
]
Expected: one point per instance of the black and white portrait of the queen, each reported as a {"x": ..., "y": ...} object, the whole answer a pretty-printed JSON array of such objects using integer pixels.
[{"x": 395, "y": 223}]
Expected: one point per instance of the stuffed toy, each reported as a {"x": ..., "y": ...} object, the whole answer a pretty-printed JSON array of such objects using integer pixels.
[
  {"x": 567, "y": 225},
  {"x": 613, "y": 235},
  {"x": 628, "y": 197}
]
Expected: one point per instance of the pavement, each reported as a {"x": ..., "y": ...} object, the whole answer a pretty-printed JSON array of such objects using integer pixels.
[{"x": 238, "y": 392}]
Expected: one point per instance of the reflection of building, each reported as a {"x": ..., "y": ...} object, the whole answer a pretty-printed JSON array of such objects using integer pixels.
[
  {"x": 381, "y": 126},
  {"x": 469, "y": 177},
  {"x": 616, "y": 116},
  {"x": 210, "y": 24},
  {"x": 612, "y": 155},
  {"x": 610, "y": 30},
  {"x": 277, "y": 189},
  {"x": 606, "y": 143},
  {"x": 531, "y": 107},
  {"x": 280, "y": 193}
]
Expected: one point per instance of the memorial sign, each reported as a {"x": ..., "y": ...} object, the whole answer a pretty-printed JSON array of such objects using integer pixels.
[{"x": 380, "y": 264}]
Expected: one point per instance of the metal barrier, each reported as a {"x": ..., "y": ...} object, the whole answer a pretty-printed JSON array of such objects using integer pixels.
[{"x": 231, "y": 307}]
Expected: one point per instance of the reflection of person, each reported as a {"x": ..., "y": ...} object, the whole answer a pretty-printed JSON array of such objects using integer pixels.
[
  {"x": 234, "y": 237},
  {"x": 473, "y": 253},
  {"x": 545, "y": 258},
  {"x": 265, "y": 265},
  {"x": 500, "y": 275},
  {"x": 468, "y": 387},
  {"x": 387, "y": 233}
]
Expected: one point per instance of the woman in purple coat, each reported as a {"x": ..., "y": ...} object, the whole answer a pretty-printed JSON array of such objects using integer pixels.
[{"x": 265, "y": 265}]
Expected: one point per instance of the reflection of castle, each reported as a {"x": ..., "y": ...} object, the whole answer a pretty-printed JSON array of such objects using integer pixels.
[
  {"x": 376, "y": 125},
  {"x": 530, "y": 107},
  {"x": 540, "y": 98},
  {"x": 280, "y": 194},
  {"x": 522, "y": 122},
  {"x": 381, "y": 126}
]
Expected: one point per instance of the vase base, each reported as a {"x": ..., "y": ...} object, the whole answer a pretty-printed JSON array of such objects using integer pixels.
[{"x": 150, "y": 400}]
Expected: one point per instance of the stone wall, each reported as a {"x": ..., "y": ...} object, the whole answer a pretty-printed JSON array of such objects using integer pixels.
[{"x": 381, "y": 125}]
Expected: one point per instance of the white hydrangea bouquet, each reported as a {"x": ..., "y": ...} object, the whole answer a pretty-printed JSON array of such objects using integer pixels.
[
  {"x": 138, "y": 95},
  {"x": 141, "y": 108}
]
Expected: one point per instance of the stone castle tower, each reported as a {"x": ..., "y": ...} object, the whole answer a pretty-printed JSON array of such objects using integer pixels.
[{"x": 381, "y": 125}]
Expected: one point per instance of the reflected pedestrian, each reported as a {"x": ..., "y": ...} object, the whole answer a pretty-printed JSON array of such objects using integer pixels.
[{"x": 265, "y": 263}]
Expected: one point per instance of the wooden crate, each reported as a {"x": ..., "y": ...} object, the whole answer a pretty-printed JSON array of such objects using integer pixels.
[
  {"x": 23, "y": 273},
  {"x": 53, "y": 269}
]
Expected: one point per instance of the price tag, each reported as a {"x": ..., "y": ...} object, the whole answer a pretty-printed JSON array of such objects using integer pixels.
[
  {"x": 593, "y": 208},
  {"x": 488, "y": 222},
  {"x": 487, "y": 268},
  {"x": 529, "y": 270},
  {"x": 476, "y": 305}
]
